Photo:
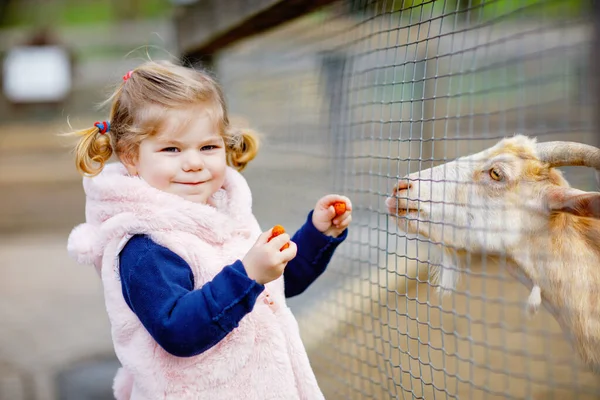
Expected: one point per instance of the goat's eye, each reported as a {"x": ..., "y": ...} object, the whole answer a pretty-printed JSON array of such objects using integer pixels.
[{"x": 496, "y": 175}]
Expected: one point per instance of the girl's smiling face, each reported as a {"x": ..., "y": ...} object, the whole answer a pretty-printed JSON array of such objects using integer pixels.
[{"x": 186, "y": 157}]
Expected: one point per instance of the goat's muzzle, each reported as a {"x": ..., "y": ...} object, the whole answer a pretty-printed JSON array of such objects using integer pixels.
[{"x": 398, "y": 203}]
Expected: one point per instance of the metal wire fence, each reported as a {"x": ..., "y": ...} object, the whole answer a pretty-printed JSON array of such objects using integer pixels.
[{"x": 360, "y": 93}]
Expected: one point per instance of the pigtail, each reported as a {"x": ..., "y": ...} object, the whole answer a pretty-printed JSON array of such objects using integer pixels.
[
  {"x": 93, "y": 147},
  {"x": 242, "y": 148}
]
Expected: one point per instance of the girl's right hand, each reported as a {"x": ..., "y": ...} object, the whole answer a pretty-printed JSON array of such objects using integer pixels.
[{"x": 265, "y": 261}]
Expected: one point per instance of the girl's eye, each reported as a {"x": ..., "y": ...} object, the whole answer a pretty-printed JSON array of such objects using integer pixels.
[
  {"x": 496, "y": 174},
  {"x": 209, "y": 147},
  {"x": 170, "y": 149}
]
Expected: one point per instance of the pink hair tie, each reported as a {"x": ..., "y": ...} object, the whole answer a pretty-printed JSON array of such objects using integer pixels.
[{"x": 127, "y": 75}]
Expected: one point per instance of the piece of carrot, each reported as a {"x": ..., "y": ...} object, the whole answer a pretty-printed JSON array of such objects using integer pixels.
[
  {"x": 278, "y": 230},
  {"x": 340, "y": 207}
]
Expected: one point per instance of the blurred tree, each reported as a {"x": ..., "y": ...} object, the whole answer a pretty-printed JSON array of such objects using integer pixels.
[
  {"x": 80, "y": 12},
  {"x": 476, "y": 9},
  {"x": 3, "y": 8}
]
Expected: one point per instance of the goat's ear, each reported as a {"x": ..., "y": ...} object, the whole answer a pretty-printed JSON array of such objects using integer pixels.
[{"x": 573, "y": 201}]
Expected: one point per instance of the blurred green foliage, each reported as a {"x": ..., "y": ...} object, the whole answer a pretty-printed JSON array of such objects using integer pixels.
[
  {"x": 484, "y": 9},
  {"x": 80, "y": 12}
]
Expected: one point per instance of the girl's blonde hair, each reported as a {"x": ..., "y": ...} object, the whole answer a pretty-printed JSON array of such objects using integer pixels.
[{"x": 135, "y": 114}]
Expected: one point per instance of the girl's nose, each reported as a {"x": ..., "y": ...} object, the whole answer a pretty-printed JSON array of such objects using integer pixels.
[{"x": 193, "y": 162}]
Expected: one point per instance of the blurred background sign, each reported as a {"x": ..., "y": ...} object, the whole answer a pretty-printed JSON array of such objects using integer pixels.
[{"x": 34, "y": 74}]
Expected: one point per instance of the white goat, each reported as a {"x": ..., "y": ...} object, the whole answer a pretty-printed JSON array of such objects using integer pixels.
[{"x": 509, "y": 199}]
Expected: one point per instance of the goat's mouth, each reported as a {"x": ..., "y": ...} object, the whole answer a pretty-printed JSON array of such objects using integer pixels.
[
  {"x": 401, "y": 208},
  {"x": 403, "y": 211}
]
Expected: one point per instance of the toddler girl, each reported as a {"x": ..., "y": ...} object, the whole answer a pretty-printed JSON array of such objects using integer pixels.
[{"x": 194, "y": 290}]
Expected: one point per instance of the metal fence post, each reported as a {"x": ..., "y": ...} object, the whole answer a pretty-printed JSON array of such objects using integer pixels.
[{"x": 334, "y": 66}]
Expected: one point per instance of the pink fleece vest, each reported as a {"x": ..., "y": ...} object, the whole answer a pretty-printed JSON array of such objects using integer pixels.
[{"x": 263, "y": 358}]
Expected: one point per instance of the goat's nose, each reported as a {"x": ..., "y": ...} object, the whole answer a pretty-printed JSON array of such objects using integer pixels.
[
  {"x": 390, "y": 202},
  {"x": 402, "y": 185}
]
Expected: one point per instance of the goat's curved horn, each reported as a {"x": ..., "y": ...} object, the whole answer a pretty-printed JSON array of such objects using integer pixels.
[{"x": 560, "y": 153}]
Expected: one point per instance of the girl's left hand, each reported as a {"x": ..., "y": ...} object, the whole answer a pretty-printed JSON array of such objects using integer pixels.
[{"x": 324, "y": 218}]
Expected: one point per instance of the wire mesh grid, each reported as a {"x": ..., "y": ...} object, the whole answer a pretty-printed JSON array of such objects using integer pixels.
[{"x": 357, "y": 95}]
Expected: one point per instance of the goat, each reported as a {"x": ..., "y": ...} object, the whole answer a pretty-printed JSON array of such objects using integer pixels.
[{"x": 549, "y": 230}]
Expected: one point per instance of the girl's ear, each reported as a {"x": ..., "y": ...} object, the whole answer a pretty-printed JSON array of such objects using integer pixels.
[
  {"x": 573, "y": 201},
  {"x": 130, "y": 164}
]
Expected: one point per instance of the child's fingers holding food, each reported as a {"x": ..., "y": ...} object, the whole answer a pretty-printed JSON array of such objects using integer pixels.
[
  {"x": 333, "y": 205},
  {"x": 339, "y": 207},
  {"x": 343, "y": 209},
  {"x": 347, "y": 204},
  {"x": 328, "y": 200},
  {"x": 281, "y": 242},
  {"x": 264, "y": 237},
  {"x": 329, "y": 208},
  {"x": 279, "y": 237},
  {"x": 343, "y": 222},
  {"x": 288, "y": 253}
]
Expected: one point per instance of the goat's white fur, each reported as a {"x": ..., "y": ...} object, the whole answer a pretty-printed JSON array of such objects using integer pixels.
[
  {"x": 461, "y": 206},
  {"x": 535, "y": 300}
]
